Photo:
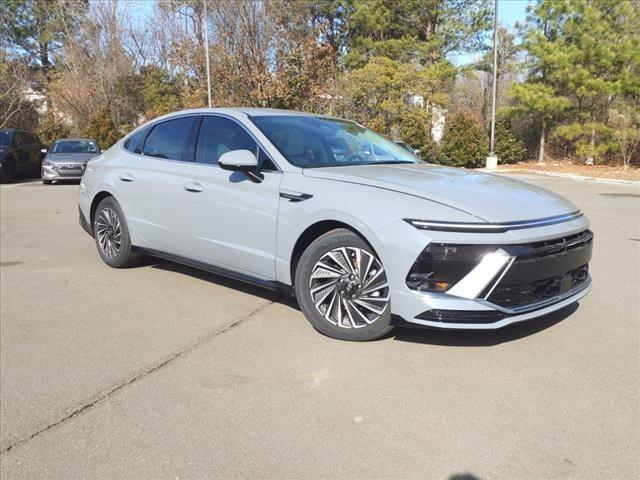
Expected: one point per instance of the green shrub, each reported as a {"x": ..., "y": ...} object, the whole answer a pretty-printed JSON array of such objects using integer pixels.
[
  {"x": 464, "y": 143},
  {"x": 50, "y": 128},
  {"x": 415, "y": 129},
  {"x": 102, "y": 129},
  {"x": 508, "y": 147}
]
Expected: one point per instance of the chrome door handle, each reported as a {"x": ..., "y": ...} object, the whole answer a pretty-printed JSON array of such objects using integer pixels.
[
  {"x": 126, "y": 177},
  {"x": 194, "y": 187}
]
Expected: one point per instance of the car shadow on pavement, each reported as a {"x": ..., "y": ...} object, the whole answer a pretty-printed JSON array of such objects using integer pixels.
[
  {"x": 464, "y": 476},
  {"x": 482, "y": 338},
  {"x": 221, "y": 280},
  {"x": 452, "y": 338}
]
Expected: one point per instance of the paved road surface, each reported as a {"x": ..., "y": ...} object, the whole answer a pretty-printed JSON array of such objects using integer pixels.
[{"x": 162, "y": 371}]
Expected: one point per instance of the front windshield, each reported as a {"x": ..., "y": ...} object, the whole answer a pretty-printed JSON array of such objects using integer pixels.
[
  {"x": 311, "y": 142},
  {"x": 74, "y": 146},
  {"x": 5, "y": 138}
]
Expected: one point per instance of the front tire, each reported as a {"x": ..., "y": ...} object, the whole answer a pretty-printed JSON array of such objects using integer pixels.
[
  {"x": 112, "y": 235},
  {"x": 342, "y": 288},
  {"x": 46, "y": 182}
]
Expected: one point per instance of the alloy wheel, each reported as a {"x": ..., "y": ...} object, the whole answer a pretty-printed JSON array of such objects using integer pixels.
[
  {"x": 349, "y": 288},
  {"x": 109, "y": 232}
]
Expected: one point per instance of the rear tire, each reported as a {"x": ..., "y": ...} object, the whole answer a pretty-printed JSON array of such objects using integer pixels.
[
  {"x": 112, "y": 235},
  {"x": 342, "y": 289}
]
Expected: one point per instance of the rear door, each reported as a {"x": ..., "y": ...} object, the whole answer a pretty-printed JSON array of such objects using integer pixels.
[
  {"x": 150, "y": 183},
  {"x": 21, "y": 149},
  {"x": 229, "y": 220},
  {"x": 35, "y": 156}
]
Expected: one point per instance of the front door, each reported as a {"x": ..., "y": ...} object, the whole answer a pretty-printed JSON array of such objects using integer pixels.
[{"x": 230, "y": 221}]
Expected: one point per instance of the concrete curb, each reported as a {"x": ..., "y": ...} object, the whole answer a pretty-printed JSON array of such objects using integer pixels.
[{"x": 570, "y": 176}]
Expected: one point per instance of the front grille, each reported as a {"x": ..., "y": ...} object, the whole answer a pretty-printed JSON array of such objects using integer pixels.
[
  {"x": 550, "y": 247},
  {"x": 72, "y": 170},
  {"x": 519, "y": 295},
  {"x": 543, "y": 271}
]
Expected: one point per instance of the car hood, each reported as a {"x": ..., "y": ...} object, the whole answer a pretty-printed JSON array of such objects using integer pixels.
[
  {"x": 70, "y": 157},
  {"x": 491, "y": 198}
]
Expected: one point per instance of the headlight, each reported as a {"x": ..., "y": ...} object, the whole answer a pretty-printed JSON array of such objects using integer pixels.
[
  {"x": 48, "y": 163},
  {"x": 440, "y": 265}
]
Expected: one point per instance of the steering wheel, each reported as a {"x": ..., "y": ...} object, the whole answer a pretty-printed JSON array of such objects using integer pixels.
[{"x": 353, "y": 158}]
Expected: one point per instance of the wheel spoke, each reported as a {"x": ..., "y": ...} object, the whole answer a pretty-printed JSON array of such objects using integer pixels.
[
  {"x": 369, "y": 306},
  {"x": 360, "y": 314},
  {"x": 373, "y": 277},
  {"x": 322, "y": 270},
  {"x": 341, "y": 260},
  {"x": 324, "y": 294},
  {"x": 347, "y": 258},
  {"x": 374, "y": 288}
]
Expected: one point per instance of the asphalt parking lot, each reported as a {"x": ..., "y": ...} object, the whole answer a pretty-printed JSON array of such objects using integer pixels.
[{"x": 161, "y": 371}]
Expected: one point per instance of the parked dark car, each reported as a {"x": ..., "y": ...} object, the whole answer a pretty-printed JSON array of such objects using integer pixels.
[
  {"x": 19, "y": 154},
  {"x": 67, "y": 159}
]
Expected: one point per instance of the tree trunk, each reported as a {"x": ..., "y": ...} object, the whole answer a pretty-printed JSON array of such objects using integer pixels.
[
  {"x": 592, "y": 143},
  {"x": 541, "y": 148}
]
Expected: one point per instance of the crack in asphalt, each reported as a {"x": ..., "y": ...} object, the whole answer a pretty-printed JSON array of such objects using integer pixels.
[{"x": 100, "y": 397}]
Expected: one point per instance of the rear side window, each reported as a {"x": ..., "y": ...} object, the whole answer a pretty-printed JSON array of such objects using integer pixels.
[
  {"x": 170, "y": 139},
  {"x": 220, "y": 135},
  {"x": 134, "y": 143}
]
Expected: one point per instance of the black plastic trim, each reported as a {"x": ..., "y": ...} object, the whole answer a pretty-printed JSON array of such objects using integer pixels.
[
  {"x": 83, "y": 223},
  {"x": 462, "y": 316},
  {"x": 294, "y": 198},
  {"x": 207, "y": 267}
]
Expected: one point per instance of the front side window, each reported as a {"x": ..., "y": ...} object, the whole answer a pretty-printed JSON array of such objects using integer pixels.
[
  {"x": 220, "y": 135},
  {"x": 74, "y": 146},
  {"x": 312, "y": 142},
  {"x": 169, "y": 139}
]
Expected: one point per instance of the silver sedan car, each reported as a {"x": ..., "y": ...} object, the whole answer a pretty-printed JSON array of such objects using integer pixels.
[
  {"x": 365, "y": 234},
  {"x": 67, "y": 158}
]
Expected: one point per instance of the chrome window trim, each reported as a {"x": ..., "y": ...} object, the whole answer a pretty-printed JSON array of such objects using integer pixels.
[
  {"x": 478, "y": 227},
  {"x": 235, "y": 120},
  {"x": 151, "y": 125}
]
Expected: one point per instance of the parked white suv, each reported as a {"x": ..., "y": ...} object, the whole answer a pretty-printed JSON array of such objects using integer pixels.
[{"x": 366, "y": 239}]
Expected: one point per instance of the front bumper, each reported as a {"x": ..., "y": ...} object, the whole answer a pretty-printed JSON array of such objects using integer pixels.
[
  {"x": 62, "y": 173},
  {"x": 479, "y": 300}
]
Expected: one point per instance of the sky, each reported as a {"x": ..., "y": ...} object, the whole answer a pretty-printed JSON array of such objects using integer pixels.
[{"x": 509, "y": 12}]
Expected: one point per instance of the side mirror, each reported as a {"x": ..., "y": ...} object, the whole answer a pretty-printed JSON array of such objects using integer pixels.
[
  {"x": 241, "y": 161},
  {"x": 43, "y": 151}
]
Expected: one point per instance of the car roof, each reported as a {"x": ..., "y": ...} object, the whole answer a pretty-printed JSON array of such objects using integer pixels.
[{"x": 250, "y": 111}]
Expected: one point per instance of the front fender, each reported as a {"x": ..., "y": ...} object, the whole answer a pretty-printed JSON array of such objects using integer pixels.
[{"x": 363, "y": 208}]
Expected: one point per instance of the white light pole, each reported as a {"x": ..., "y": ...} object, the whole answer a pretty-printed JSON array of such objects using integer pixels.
[
  {"x": 492, "y": 160},
  {"x": 206, "y": 51}
]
